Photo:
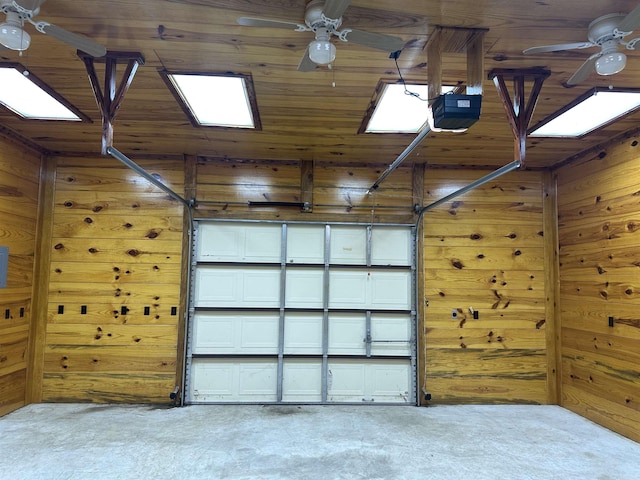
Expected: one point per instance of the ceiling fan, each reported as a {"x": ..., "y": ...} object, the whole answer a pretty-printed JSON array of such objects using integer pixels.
[
  {"x": 606, "y": 32},
  {"x": 324, "y": 19},
  {"x": 14, "y": 37}
]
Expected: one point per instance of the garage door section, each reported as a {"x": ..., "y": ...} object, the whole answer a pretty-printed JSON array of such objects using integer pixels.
[{"x": 302, "y": 313}]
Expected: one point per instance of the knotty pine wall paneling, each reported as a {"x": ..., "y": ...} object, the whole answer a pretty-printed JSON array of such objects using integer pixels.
[
  {"x": 19, "y": 187},
  {"x": 599, "y": 265},
  {"x": 115, "y": 282},
  {"x": 484, "y": 251},
  {"x": 336, "y": 192}
]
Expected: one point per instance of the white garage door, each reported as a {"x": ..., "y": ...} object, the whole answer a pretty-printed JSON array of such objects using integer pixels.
[{"x": 302, "y": 313}]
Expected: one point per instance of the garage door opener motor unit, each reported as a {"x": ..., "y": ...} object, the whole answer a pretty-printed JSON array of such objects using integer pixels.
[{"x": 453, "y": 111}]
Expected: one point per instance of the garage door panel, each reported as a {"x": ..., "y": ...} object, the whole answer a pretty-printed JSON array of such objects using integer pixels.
[
  {"x": 234, "y": 380},
  {"x": 302, "y": 380},
  {"x": 378, "y": 380},
  {"x": 347, "y": 334},
  {"x": 232, "y": 333},
  {"x": 237, "y": 287},
  {"x": 304, "y": 288},
  {"x": 373, "y": 289},
  {"x": 241, "y": 242},
  {"x": 305, "y": 244},
  {"x": 391, "y": 246},
  {"x": 391, "y": 334},
  {"x": 390, "y": 290},
  {"x": 303, "y": 333},
  {"x": 348, "y": 245},
  {"x": 348, "y": 289}
]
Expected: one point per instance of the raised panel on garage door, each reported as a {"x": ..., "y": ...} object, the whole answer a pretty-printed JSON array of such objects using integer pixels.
[
  {"x": 302, "y": 380},
  {"x": 305, "y": 244},
  {"x": 237, "y": 286},
  {"x": 239, "y": 242},
  {"x": 391, "y": 334},
  {"x": 391, "y": 246},
  {"x": 235, "y": 332},
  {"x": 348, "y": 245},
  {"x": 304, "y": 288},
  {"x": 370, "y": 289},
  {"x": 233, "y": 380},
  {"x": 376, "y": 380},
  {"x": 303, "y": 333}
]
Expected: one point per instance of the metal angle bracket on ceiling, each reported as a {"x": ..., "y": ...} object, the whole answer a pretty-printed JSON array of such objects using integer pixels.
[
  {"x": 519, "y": 109},
  {"x": 110, "y": 97}
]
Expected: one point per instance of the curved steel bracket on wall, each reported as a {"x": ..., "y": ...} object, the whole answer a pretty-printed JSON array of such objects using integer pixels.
[{"x": 110, "y": 97}]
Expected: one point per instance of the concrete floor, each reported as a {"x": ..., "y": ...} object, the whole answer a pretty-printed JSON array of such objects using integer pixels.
[{"x": 95, "y": 442}]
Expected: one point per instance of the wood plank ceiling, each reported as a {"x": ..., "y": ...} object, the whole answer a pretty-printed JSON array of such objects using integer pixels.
[{"x": 304, "y": 116}]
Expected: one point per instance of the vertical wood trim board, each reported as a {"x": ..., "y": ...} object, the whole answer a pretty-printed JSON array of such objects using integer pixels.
[{"x": 552, "y": 288}]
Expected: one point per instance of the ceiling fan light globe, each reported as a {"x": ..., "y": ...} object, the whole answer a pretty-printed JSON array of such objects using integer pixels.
[
  {"x": 322, "y": 52},
  {"x": 611, "y": 63},
  {"x": 14, "y": 37}
]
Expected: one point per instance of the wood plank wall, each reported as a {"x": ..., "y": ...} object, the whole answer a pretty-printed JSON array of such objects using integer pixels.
[
  {"x": 599, "y": 234},
  {"x": 485, "y": 251},
  {"x": 19, "y": 186},
  {"x": 114, "y": 288}
]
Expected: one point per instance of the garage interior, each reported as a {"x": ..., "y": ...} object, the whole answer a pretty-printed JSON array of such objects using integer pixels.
[{"x": 300, "y": 261}]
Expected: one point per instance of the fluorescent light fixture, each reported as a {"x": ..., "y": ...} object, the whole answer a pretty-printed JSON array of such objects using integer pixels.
[
  {"x": 29, "y": 97},
  {"x": 596, "y": 108},
  {"x": 399, "y": 112},
  {"x": 215, "y": 100}
]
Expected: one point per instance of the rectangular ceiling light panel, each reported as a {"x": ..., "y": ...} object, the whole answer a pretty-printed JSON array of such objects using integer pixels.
[
  {"x": 401, "y": 109},
  {"x": 215, "y": 100},
  {"x": 596, "y": 108},
  {"x": 26, "y": 95}
]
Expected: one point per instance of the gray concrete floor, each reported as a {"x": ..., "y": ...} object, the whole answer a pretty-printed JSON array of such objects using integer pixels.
[{"x": 95, "y": 442}]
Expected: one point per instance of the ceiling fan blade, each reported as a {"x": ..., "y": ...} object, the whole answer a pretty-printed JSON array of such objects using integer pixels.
[
  {"x": 586, "y": 69},
  {"x": 29, "y": 5},
  {"x": 306, "y": 64},
  {"x": 387, "y": 43},
  {"x": 335, "y": 8},
  {"x": 78, "y": 41},
  {"x": 557, "y": 48},
  {"x": 264, "y": 22},
  {"x": 631, "y": 21}
]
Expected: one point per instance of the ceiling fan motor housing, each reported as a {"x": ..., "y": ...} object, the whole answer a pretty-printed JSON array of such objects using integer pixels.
[
  {"x": 315, "y": 19},
  {"x": 602, "y": 28}
]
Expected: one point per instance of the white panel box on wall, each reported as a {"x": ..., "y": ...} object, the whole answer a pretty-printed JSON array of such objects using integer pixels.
[
  {"x": 235, "y": 332},
  {"x": 305, "y": 244},
  {"x": 391, "y": 246},
  {"x": 239, "y": 242},
  {"x": 237, "y": 287},
  {"x": 348, "y": 245}
]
